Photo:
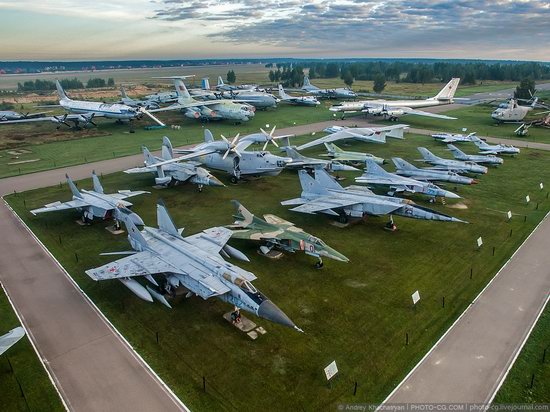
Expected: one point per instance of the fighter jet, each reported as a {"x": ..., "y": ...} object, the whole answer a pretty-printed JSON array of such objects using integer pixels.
[
  {"x": 297, "y": 100},
  {"x": 393, "y": 109},
  {"x": 323, "y": 194},
  {"x": 232, "y": 158},
  {"x": 480, "y": 159},
  {"x": 174, "y": 173},
  {"x": 365, "y": 134},
  {"x": 147, "y": 103},
  {"x": 11, "y": 338},
  {"x": 258, "y": 99},
  {"x": 193, "y": 262},
  {"x": 206, "y": 110},
  {"x": 447, "y": 164},
  {"x": 6, "y": 115},
  {"x": 300, "y": 161},
  {"x": 338, "y": 93},
  {"x": 96, "y": 203},
  {"x": 485, "y": 148},
  {"x": 228, "y": 87},
  {"x": 453, "y": 138},
  {"x": 375, "y": 175},
  {"x": 430, "y": 174},
  {"x": 345, "y": 156},
  {"x": 274, "y": 232},
  {"x": 163, "y": 97}
]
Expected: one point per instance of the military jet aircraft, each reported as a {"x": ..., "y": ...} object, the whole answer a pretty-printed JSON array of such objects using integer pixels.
[
  {"x": 345, "y": 156},
  {"x": 300, "y": 161},
  {"x": 11, "y": 338},
  {"x": 448, "y": 164},
  {"x": 207, "y": 110},
  {"x": 338, "y": 93},
  {"x": 375, "y": 175},
  {"x": 174, "y": 173},
  {"x": 297, "y": 100},
  {"x": 323, "y": 194},
  {"x": 163, "y": 97},
  {"x": 228, "y": 87},
  {"x": 147, "y": 103},
  {"x": 274, "y": 232},
  {"x": 96, "y": 203},
  {"x": 232, "y": 158},
  {"x": 480, "y": 159},
  {"x": 485, "y": 148},
  {"x": 404, "y": 168},
  {"x": 453, "y": 138},
  {"x": 6, "y": 115},
  {"x": 258, "y": 99},
  {"x": 365, "y": 134},
  {"x": 194, "y": 262},
  {"x": 393, "y": 109}
]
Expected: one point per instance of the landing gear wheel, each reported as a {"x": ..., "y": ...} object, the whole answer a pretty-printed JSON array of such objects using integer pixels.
[
  {"x": 234, "y": 180},
  {"x": 200, "y": 188},
  {"x": 319, "y": 264},
  {"x": 343, "y": 219}
]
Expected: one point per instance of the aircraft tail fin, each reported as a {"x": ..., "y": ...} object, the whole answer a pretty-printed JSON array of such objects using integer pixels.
[
  {"x": 478, "y": 142},
  {"x": 306, "y": 81},
  {"x": 282, "y": 92},
  {"x": 426, "y": 154},
  {"x": 402, "y": 164},
  {"x": 448, "y": 92},
  {"x": 72, "y": 186},
  {"x": 208, "y": 137},
  {"x": 149, "y": 158},
  {"x": 97, "y": 184},
  {"x": 456, "y": 152},
  {"x": 291, "y": 152},
  {"x": 535, "y": 101},
  {"x": 374, "y": 169},
  {"x": 326, "y": 180},
  {"x": 205, "y": 83},
  {"x": 220, "y": 81},
  {"x": 181, "y": 90},
  {"x": 123, "y": 92},
  {"x": 60, "y": 92},
  {"x": 164, "y": 220},
  {"x": 332, "y": 148},
  {"x": 134, "y": 235},
  {"x": 309, "y": 184},
  {"x": 243, "y": 214},
  {"x": 167, "y": 149}
]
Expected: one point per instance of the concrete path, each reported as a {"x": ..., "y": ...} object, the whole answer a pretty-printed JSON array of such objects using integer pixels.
[{"x": 471, "y": 360}]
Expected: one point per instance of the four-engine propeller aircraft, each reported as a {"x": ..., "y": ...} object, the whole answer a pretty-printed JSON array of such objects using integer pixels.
[
  {"x": 345, "y": 156},
  {"x": 174, "y": 173},
  {"x": 404, "y": 168},
  {"x": 96, "y": 203},
  {"x": 338, "y": 93},
  {"x": 480, "y": 159},
  {"x": 495, "y": 149},
  {"x": 451, "y": 164},
  {"x": 297, "y": 100},
  {"x": 207, "y": 109},
  {"x": 393, "y": 109},
  {"x": 375, "y": 175},
  {"x": 274, "y": 232},
  {"x": 323, "y": 194},
  {"x": 193, "y": 262}
]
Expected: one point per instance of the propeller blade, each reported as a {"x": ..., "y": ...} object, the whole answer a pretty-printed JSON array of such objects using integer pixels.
[
  {"x": 224, "y": 139},
  {"x": 143, "y": 110},
  {"x": 226, "y": 154},
  {"x": 265, "y": 145},
  {"x": 237, "y": 152},
  {"x": 272, "y": 131},
  {"x": 235, "y": 139},
  {"x": 274, "y": 142}
]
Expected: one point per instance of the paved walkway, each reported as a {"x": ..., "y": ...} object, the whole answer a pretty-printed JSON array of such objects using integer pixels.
[
  {"x": 93, "y": 368},
  {"x": 470, "y": 361}
]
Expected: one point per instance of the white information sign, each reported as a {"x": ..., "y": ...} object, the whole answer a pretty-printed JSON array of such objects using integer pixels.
[
  {"x": 541, "y": 186},
  {"x": 509, "y": 214},
  {"x": 527, "y": 198},
  {"x": 415, "y": 297},
  {"x": 331, "y": 370},
  {"x": 479, "y": 241}
]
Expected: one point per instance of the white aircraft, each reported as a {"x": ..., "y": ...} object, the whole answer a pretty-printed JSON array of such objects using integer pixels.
[
  {"x": 454, "y": 137},
  {"x": 297, "y": 100},
  {"x": 338, "y": 93},
  {"x": 393, "y": 109},
  {"x": 511, "y": 111},
  {"x": 495, "y": 149}
]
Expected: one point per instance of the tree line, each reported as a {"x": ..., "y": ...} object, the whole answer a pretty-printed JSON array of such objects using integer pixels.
[{"x": 46, "y": 85}]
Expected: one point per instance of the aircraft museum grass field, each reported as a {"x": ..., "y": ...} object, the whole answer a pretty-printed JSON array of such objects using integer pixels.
[
  {"x": 359, "y": 314},
  {"x": 24, "y": 383},
  {"x": 530, "y": 364}
]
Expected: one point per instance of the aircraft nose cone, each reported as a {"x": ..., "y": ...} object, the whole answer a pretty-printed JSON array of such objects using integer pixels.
[
  {"x": 213, "y": 181},
  {"x": 268, "y": 310},
  {"x": 333, "y": 254},
  {"x": 451, "y": 195}
]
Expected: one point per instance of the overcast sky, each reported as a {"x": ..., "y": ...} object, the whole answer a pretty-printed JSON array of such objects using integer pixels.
[{"x": 175, "y": 29}]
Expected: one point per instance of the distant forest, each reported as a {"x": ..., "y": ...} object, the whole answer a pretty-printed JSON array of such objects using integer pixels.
[{"x": 45, "y": 85}]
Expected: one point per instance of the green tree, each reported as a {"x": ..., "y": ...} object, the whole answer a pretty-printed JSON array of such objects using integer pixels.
[
  {"x": 95, "y": 83},
  {"x": 525, "y": 89},
  {"x": 348, "y": 78},
  {"x": 469, "y": 78},
  {"x": 231, "y": 77},
  {"x": 379, "y": 83},
  {"x": 111, "y": 82}
]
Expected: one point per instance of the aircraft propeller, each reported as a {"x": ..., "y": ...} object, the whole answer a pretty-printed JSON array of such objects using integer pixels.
[
  {"x": 231, "y": 146},
  {"x": 146, "y": 112},
  {"x": 270, "y": 138}
]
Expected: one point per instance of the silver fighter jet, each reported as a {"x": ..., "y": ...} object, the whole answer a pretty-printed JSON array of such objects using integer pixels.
[
  {"x": 448, "y": 164},
  {"x": 494, "y": 149},
  {"x": 404, "y": 168},
  {"x": 485, "y": 159}
]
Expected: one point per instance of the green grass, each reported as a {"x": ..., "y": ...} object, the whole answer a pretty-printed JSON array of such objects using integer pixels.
[
  {"x": 113, "y": 140},
  {"x": 477, "y": 119},
  {"x": 357, "y": 314},
  {"x": 22, "y": 372},
  {"x": 517, "y": 386}
]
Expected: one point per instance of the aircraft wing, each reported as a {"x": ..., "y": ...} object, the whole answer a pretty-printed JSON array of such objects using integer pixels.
[
  {"x": 11, "y": 338},
  {"x": 210, "y": 240},
  {"x": 377, "y": 180},
  {"x": 408, "y": 110},
  {"x": 123, "y": 194},
  {"x": 72, "y": 204},
  {"x": 340, "y": 135},
  {"x": 180, "y": 106},
  {"x": 276, "y": 220},
  {"x": 29, "y": 120},
  {"x": 324, "y": 204},
  {"x": 187, "y": 156},
  {"x": 138, "y": 264}
]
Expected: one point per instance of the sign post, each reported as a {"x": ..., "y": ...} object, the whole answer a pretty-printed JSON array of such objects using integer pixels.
[
  {"x": 527, "y": 199},
  {"x": 331, "y": 371},
  {"x": 415, "y": 298},
  {"x": 479, "y": 242},
  {"x": 509, "y": 214}
]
